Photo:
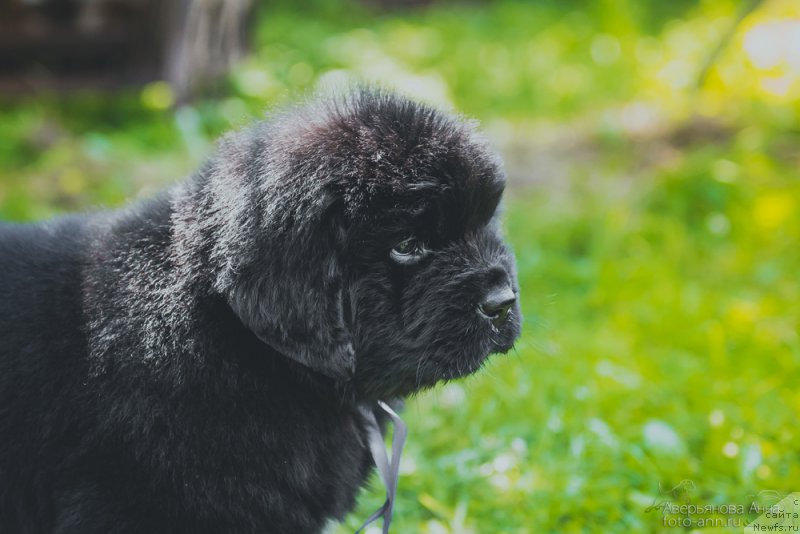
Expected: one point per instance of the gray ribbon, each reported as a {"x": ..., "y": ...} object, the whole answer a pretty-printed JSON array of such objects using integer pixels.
[{"x": 388, "y": 469}]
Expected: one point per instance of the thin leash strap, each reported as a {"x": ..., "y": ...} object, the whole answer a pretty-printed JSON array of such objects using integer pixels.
[{"x": 387, "y": 469}]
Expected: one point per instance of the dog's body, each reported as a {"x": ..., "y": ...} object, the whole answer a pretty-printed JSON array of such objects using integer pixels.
[
  {"x": 199, "y": 362},
  {"x": 147, "y": 446}
]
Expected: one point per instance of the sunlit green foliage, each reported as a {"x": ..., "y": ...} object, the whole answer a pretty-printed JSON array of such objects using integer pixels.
[{"x": 658, "y": 255}]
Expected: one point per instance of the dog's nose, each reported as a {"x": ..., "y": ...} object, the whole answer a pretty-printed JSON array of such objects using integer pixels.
[{"x": 497, "y": 303}]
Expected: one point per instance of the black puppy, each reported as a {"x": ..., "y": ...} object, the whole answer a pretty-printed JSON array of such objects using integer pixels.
[{"x": 199, "y": 362}]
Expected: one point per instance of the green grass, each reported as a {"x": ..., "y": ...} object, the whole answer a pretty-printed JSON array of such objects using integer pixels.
[{"x": 659, "y": 277}]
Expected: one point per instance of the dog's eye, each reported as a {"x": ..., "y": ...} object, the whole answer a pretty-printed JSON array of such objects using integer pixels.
[{"x": 408, "y": 250}]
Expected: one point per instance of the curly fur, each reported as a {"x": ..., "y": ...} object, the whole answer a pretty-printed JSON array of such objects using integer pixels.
[{"x": 195, "y": 363}]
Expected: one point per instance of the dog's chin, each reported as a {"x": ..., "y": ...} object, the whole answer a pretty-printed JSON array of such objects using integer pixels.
[
  {"x": 461, "y": 368},
  {"x": 467, "y": 363},
  {"x": 420, "y": 365}
]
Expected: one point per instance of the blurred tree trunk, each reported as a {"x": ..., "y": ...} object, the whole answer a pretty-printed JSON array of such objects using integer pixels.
[{"x": 204, "y": 37}]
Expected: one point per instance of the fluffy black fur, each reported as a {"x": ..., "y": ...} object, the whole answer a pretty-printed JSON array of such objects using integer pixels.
[{"x": 195, "y": 363}]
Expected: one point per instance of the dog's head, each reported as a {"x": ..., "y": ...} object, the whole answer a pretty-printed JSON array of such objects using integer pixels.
[{"x": 360, "y": 238}]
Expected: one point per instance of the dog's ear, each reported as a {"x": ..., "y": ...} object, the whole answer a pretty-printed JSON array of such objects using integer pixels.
[{"x": 293, "y": 293}]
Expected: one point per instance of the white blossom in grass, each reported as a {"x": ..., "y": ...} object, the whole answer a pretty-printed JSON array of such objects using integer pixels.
[{"x": 661, "y": 438}]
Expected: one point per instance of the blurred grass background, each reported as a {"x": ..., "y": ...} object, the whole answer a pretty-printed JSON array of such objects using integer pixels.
[{"x": 653, "y": 204}]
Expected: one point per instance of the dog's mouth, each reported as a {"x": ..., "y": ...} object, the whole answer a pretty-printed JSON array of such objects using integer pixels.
[
  {"x": 500, "y": 341},
  {"x": 412, "y": 360}
]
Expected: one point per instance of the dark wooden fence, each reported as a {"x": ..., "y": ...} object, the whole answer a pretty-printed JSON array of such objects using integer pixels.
[{"x": 74, "y": 44}]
